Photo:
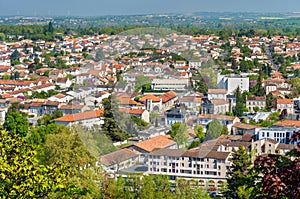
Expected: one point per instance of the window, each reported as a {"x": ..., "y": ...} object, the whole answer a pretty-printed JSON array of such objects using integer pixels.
[{"x": 267, "y": 134}]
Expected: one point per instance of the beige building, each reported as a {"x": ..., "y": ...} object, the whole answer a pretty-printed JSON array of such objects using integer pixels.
[
  {"x": 285, "y": 104},
  {"x": 255, "y": 101}
]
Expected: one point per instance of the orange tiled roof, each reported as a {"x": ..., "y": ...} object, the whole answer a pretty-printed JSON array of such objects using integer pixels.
[
  {"x": 80, "y": 116},
  {"x": 150, "y": 96},
  {"x": 288, "y": 123},
  {"x": 168, "y": 96},
  {"x": 284, "y": 101},
  {"x": 134, "y": 111},
  {"x": 157, "y": 142}
]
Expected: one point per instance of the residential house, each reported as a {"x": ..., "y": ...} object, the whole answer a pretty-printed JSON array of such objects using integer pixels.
[
  {"x": 214, "y": 106},
  {"x": 63, "y": 82},
  {"x": 61, "y": 98},
  {"x": 176, "y": 115},
  {"x": 159, "y": 103},
  {"x": 140, "y": 113},
  {"x": 255, "y": 102},
  {"x": 191, "y": 102},
  {"x": 287, "y": 123},
  {"x": 86, "y": 119},
  {"x": 285, "y": 104},
  {"x": 241, "y": 129},
  {"x": 216, "y": 94},
  {"x": 72, "y": 109},
  {"x": 228, "y": 121}
]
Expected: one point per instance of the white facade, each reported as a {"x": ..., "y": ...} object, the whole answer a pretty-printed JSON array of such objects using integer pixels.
[
  {"x": 231, "y": 83},
  {"x": 170, "y": 84},
  {"x": 282, "y": 135}
]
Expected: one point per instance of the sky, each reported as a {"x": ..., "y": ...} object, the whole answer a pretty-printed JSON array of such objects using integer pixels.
[{"x": 131, "y": 7}]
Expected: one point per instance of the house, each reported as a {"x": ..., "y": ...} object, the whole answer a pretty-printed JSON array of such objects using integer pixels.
[
  {"x": 173, "y": 116},
  {"x": 61, "y": 98},
  {"x": 285, "y": 104},
  {"x": 195, "y": 63},
  {"x": 86, "y": 119},
  {"x": 63, "y": 82},
  {"x": 36, "y": 108},
  {"x": 255, "y": 102},
  {"x": 191, "y": 102},
  {"x": 214, "y": 106},
  {"x": 72, "y": 108},
  {"x": 216, "y": 94},
  {"x": 241, "y": 129},
  {"x": 49, "y": 107},
  {"x": 118, "y": 160},
  {"x": 264, "y": 146},
  {"x": 44, "y": 87},
  {"x": 140, "y": 113},
  {"x": 223, "y": 119}
]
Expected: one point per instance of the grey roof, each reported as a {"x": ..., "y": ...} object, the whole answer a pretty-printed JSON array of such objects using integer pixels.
[{"x": 169, "y": 152}]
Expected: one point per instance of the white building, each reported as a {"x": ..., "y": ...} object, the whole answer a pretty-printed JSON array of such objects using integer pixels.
[
  {"x": 216, "y": 94},
  {"x": 170, "y": 84},
  {"x": 255, "y": 101},
  {"x": 232, "y": 82},
  {"x": 279, "y": 134}
]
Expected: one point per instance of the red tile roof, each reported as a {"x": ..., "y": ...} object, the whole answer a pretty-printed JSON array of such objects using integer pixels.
[
  {"x": 288, "y": 123},
  {"x": 284, "y": 101},
  {"x": 168, "y": 96},
  {"x": 157, "y": 142},
  {"x": 81, "y": 116}
]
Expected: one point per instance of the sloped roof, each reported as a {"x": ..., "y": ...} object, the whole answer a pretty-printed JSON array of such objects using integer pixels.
[
  {"x": 157, "y": 142},
  {"x": 117, "y": 156},
  {"x": 80, "y": 116}
]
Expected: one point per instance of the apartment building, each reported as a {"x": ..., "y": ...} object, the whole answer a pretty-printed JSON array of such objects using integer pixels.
[
  {"x": 232, "y": 82},
  {"x": 209, "y": 167}
]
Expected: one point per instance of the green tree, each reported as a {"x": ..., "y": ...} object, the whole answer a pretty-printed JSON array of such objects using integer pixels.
[
  {"x": 179, "y": 133},
  {"x": 214, "y": 129},
  {"x": 237, "y": 176},
  {"x": 21, "y": 174},
  {"x": 238, "y": 110},
  {"x": 15, "y": 56},
  {"x": 141, "y": 81},
  {"x": 16, "y": 123},
  {"x": 50, "y": 27},
  {"x": 199, "y": 132},
  {"x": 224, "y": 130},
  {"x": 6, "y": 77},
  {"x": 67, "y": 147}
]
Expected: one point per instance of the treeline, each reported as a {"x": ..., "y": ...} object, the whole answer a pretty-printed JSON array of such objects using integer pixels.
[{"x": 49, "y": 33}]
